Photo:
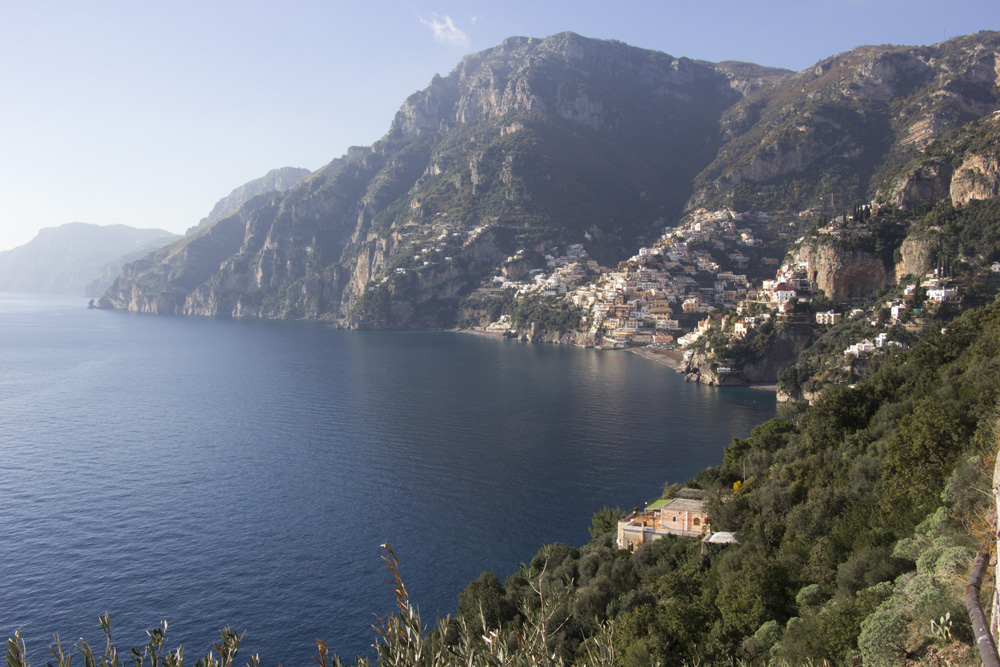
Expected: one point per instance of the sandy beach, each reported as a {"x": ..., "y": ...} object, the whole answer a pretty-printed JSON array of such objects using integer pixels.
[
  {"x": 670, "y": 358},
  {"x": 481, "y": 332}
]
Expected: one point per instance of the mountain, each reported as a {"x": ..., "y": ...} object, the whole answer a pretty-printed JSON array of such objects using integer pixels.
[
  {"x": 69, "y": 258},
  {"x": 833, "y": 134},
  {"x": 544, "y": 142},
  {"x": 276, "y": 179}
]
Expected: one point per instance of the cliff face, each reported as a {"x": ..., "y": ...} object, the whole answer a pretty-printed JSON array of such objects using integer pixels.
[
  {"x": 915, "y": 257},
  {"x": 785, "y": 349},
  {"x": 842, "y": 274},
  {"x": 925, "y": 183},
  {"x": 977, "y": 177},
  {"x": 530, "y": 144},
  {"x": 276, "y": 180},
  {"x": 543, "y": 142},
  {"x": 963, "y": 165}
]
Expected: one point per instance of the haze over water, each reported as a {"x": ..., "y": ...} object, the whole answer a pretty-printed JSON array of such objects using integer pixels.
[{"x": 244, "y": 473}]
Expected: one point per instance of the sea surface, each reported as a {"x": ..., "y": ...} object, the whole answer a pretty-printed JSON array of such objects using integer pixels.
[{"x": 244, "y": 473}]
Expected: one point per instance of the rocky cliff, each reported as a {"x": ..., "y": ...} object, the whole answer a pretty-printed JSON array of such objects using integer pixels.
[
  {"x": 842, "y": 273},
  {"x": 914, "y": 257},
  {"x": 785, "y": 348},
  {"x": 831, "y": 134},
  {"x": 977, "y": 177},
  {"x": 276, "y": 180},
  {"x": 963, "y": 165},
  {"x": 544, "y": 142}
]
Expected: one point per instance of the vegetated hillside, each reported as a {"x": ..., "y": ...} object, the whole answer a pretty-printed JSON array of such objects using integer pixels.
[
  {"x": 939, "y": 213},
  {"x": 857, "y": 519},
  {"x": 68, "y": 258},
  {"x": 961, "y": 243}
]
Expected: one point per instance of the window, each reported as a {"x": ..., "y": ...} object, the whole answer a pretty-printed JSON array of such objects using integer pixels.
[{"x": 697, "y": 522}]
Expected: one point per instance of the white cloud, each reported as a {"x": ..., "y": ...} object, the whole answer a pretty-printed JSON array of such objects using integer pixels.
[{"x": 445, "y": 30}]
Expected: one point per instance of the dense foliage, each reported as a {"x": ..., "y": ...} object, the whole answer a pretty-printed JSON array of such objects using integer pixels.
[
  {"x": 855, "y": 522},
  {"x": 961, "y": 241},
  {"x": 546, "y": 314},
  {"x": 964, "y": 238}
]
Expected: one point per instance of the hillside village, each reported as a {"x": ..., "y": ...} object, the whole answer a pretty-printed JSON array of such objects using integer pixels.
[
  {"x": 693, "y": 290},
  {"x": 644, "y": 300}
]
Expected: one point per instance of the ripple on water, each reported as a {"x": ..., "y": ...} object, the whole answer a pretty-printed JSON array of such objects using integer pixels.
[{"x": 244, "y": 473}]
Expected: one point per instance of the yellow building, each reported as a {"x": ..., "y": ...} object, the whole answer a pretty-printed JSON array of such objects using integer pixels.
[{"x": 677, "y": 516}]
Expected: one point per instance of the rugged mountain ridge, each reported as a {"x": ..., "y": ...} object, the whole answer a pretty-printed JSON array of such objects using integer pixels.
[
  {"x": 275, "y": 180},
  {"x": 832, "y": 134},
  {"x": 541, "y": 142},
  {"x": 531, "y": 143}
]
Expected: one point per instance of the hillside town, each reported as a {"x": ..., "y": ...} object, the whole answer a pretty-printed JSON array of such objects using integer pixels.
[
  {"x": 690, "y": 291},
  {"x": 643, "y": 299}
]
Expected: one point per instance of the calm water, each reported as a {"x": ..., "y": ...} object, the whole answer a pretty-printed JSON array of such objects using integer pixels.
[{"x": 218, "y": 473}]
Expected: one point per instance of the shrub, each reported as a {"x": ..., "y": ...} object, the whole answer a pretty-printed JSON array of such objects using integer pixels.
[{"x": 881, "y": 639}]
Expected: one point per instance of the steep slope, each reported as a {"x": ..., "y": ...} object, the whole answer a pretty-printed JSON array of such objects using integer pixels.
[
  {"x": 277, "y": 179},
  {"x": 66, "y": 259},
  {"x": 541, "y": 143},
  {"x": 529, "y": 144},
  {"x": 830, "y": 135},
  {"x": 963, "y": 165}
]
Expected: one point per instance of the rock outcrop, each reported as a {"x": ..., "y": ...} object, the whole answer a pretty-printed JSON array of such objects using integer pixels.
[
  {"x": 977, "y": 177},
  {"x": 914, "y": 257},
  {"x": 785, "y": 348},
  {"x": 842, "y": 274},
  {"x": 926, "y": 183}
]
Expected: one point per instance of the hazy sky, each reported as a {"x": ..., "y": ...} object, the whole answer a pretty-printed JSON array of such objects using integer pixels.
[{"x": 147, "y": 113}]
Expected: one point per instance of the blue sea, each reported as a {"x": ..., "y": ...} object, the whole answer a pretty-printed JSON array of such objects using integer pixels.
[{"x": 244, "y": 473}]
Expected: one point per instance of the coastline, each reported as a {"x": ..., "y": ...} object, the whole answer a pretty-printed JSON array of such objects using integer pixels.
[
  {"x": 480, "y": 332},
  {"x": 673, "y": 359},
  {"x": 670, "y": 358}
]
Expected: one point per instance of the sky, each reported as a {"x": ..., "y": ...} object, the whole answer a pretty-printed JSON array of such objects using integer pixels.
[{"x": 147, "y": 113}]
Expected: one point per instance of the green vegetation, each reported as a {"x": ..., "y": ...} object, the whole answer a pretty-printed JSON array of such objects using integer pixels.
[
  {"x": 964, "y": 241},
  {"x": 857, "y": 521},
  {"x": 966, "y": 238},
  {"x": 745, "y": 350},
  {"x": 548, "y": 314}
]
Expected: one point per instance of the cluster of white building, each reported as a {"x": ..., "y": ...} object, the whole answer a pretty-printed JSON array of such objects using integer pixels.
[{"x": 635, "y": 303}]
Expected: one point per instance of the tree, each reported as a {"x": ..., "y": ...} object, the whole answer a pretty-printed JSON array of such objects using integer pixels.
[
  {"x": 606, "y": 521},
  {"x": 483, "y": 603},
  {"x": 919, "y": 455}
]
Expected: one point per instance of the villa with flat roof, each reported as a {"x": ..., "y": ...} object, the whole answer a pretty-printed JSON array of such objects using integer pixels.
[{"x": 677, "y": 516}]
